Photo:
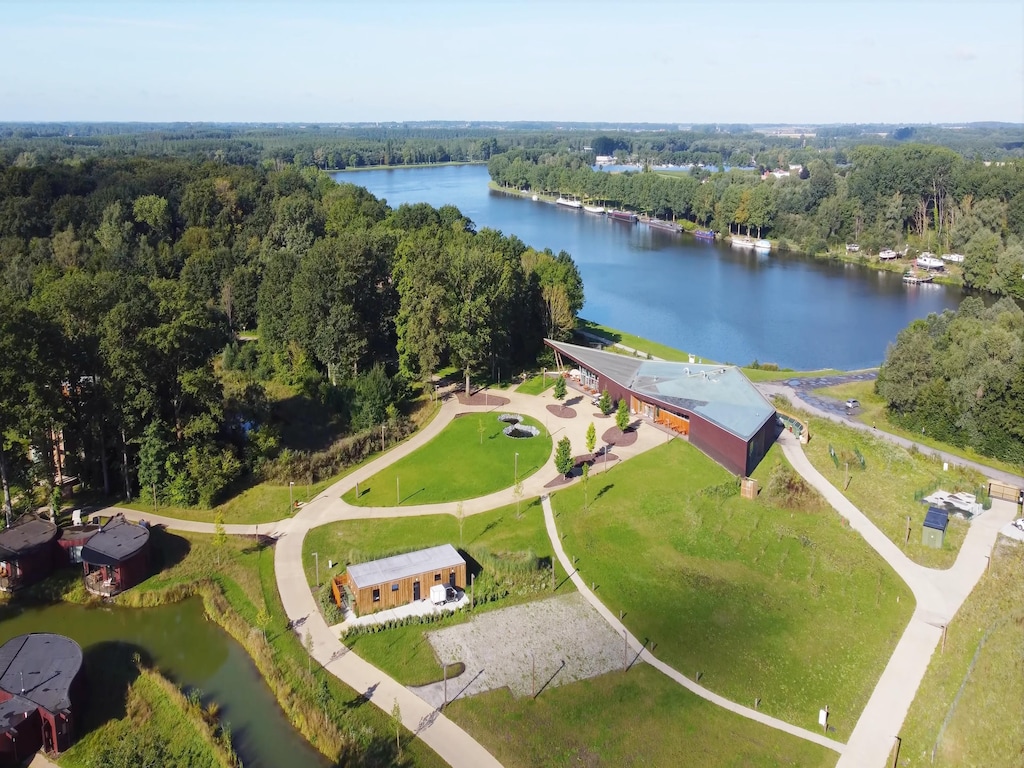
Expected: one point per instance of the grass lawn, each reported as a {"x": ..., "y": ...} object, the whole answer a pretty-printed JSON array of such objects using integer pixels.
[
  {"x": 884, "y": 490},
  {"x": 636, "y": 718},
  {"x": 404, "y": 652},
  {"x": 469, "y": 458},
  {"x": 985, "y": 727},
  {"x": 788, "y": 606},
  {"x": 536, "y": 384},
  {"x": 872, "y": 411}
]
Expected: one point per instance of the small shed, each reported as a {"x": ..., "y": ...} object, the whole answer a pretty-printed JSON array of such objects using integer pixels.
[
  {"x": 403, "y": 579},
  {"x": 116, "y": 557},
  {"x": 27, "y": 552},
  {"x": 933, "y": 532},
  {"x": 73, "y": 540},
  {"x": 40, "y": 681}
]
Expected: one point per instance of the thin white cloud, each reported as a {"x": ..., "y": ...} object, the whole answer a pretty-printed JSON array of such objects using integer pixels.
[
  {"x": 113, "y": 21},
  {"x": 963, "y": 53}
]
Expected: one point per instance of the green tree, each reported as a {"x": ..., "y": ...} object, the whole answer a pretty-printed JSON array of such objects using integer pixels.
[
  {"x": 622, "y": 415},
  {"x": 153, "y": 453},
  {"x": 563, "y": 457},
  {"x": 220, "y": 536},
  {"x": 560, "y": 390},
  {"x": 605, "y": 403},
  {"x": 591, "y": 438}
]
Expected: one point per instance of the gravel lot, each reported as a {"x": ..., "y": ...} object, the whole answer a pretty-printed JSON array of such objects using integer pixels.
[{"x": 565, "y": 636}]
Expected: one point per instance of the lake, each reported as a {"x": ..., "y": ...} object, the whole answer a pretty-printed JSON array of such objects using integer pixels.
[{"x": 706, "y": 298}]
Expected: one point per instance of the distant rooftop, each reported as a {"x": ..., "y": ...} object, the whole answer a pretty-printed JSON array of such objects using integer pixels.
[
  {"x": 27, "y": 533},
  {"x": 403, "y": 566},
  {"x": 719, "y": 393},
  {"x": 115, "y": 542},
  {"x": 40, "y": 668}
]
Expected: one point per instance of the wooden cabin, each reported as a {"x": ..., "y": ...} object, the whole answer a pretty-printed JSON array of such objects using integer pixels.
[
  {"x": 40, "y": 681},
  {"x": 400, "y": 579},
  {"x": 116, "y": 557},
  {"x": 27, "y": 552}
]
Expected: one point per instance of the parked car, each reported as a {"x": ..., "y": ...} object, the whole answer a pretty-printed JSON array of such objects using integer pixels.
[{"x": 852, "y": 403}]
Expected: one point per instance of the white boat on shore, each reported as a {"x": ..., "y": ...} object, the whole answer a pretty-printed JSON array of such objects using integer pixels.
[
  {"x": 929, "y": 261},
  {"x": 762, "y": 245},
  {"x": 595, "y": 209},
  {"x": 568, "y": 203},
  {"x": 888, "y": 255},
  {"x": 954, "y": 258}
]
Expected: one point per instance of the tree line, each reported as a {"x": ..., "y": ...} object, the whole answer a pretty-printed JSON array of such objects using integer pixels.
[
  {"x": 131, "y": 285},
  {"x": 884, "y": 197},
  {"x": 959, "y": 377}
]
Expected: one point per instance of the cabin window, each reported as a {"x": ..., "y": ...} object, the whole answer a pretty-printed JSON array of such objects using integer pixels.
[
  {"x": 376, "y": 595},
  {"x": 394, "y": 587},
  {"x": 75, "y": 554},
  {"x": 437, "y": 577}
]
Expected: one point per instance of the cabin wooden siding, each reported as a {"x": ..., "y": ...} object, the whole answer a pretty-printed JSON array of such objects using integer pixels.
[
  {"x": 389, "y": 596},
  {"x": 721, "y": 445}
]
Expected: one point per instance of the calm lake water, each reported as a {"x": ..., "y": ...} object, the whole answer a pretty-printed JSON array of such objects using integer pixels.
[
  {"x": 709, "y": 299},
  {"x": 195, "y": 653}
]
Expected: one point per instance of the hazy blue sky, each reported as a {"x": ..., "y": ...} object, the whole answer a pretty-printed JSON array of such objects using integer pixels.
[{"x": 334, "y": 61}]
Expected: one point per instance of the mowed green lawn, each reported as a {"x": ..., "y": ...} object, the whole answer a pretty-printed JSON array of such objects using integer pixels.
[
  {"x": 536, "y": 384},
  {"x": 636, "y": 718},
  {"x": 404, "y": 652},
  {"x": 982, "y": 654},
  {"x": 790, "y": 607},
  {"x": 884, "y": 490},
  {"x": 469, "y": 458}
]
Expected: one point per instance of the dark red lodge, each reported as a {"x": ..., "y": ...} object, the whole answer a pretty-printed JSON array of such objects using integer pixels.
[{"x": 716, "y": 406}]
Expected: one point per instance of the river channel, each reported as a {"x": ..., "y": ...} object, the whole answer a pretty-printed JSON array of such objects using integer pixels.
[
  {"x": 195, "y": 653},
  {"x": 706, "y": 298}
]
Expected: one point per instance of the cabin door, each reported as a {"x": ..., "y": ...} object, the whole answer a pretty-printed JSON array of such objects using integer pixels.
[{"x": 415, "y": 590}]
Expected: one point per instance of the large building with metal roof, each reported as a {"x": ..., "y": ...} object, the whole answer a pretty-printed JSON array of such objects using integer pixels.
[
  {"x": 402, "y": 579},
  {"x": 40, "y": 680},
  {"x": 716, "y": 406}
]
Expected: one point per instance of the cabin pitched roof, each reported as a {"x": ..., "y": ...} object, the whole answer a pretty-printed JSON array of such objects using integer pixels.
[{"x": 397, "y": 567}]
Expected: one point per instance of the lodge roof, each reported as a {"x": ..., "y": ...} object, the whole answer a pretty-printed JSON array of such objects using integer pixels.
[
  {"x": 390, "y": 569},
  {"x": 38, "y": 668},
  {"x": 719, "y": 393},
  {"x": 27, "y": 533},
  {"x": 115, "y": 542}
]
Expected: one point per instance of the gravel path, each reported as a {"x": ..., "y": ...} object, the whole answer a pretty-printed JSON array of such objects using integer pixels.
[{"x": 564, "y": 636}]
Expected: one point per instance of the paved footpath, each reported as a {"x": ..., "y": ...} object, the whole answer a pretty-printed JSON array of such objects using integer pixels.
[{"x": 939, "y": 595}]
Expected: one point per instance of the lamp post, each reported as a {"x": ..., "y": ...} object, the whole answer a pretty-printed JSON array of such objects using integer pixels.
[
  {"x": 316, "y": 557},
  {"x": 291, "y": 496},
  {"x": 516, "y": 470}
]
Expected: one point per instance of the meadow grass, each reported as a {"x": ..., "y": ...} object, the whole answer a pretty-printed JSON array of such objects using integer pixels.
[
  {"x": 536, "y": 384},
  {"x": 874, "y": 413},
  {"x": 788, "y": 606},
  {"x": 403, "y": 652},
  {"x": 885, "y": 489},
  {"x": 983, "y": 655},
  {"x": 469, "y": 458},
  {"x": 634, "y": 718}
]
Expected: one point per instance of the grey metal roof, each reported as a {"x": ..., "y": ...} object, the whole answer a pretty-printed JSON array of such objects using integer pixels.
[
  {"x": 14, "y": 711},
  {"x": 719, "y": 393},
  {"x": 40, "y": 667},
  {"x": 391, "y": 569},
  {"x": 27, "y": 533},
  {"x": 936, "y": 518},
  {"x": 115, "y": 542}
]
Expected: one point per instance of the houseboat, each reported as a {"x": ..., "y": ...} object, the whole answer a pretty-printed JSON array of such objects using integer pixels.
[
  {"x": 568, "y": 203},
  {"x": 704, "y": 234},
  {"x": 666, "y": 226},
  {"x": 626, "y": 216}
]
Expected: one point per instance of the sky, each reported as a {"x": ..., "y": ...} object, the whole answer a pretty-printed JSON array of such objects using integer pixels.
[{"x": 682, "y": 62}]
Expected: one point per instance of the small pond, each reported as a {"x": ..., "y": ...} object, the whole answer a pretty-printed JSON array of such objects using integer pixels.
[{"x": 194, "y": 652}]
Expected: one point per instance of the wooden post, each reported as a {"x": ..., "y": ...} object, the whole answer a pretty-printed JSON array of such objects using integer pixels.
[
  {"x": 357, "y": 489},
  {"x": 897, "y": 741},
  {"x": 907, "y": 542},
  {"x": 943, "y": 638}
]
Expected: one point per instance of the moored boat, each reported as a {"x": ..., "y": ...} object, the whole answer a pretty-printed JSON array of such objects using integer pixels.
[
  {"x": 741, "y": 241},
  {"x": 667, "y": 226},
  {"x": 762, "y": 245},
  {"x": 626, "y": 216},
  {"x": 595, "y": 209},
  {"x": 704, "y": 234},
  {"x": 568, "y": 203},
  {"x": 912, "y": 278}
]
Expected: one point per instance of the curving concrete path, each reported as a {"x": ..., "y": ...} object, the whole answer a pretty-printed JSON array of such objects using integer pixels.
[{"x": 939, "y": 595}]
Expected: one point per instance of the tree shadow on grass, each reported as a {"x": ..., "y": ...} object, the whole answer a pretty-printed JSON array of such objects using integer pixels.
[{"x": 167, "y": 549}]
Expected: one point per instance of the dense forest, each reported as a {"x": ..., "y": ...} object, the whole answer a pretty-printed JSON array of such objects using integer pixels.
[
  {"x": 882, "y": 197},
  {"x": 959, "y": 377},
  {"x": 160, "y": 312}
]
